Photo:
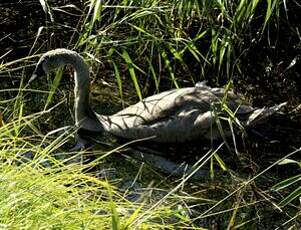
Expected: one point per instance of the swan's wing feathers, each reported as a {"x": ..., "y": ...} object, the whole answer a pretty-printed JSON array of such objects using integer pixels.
[
  {"x": 176, "y": 115},
  {"x": 164, "y": 105},
  {"x": 183, "y": 126},
  {"x": 173, "y": 116}
]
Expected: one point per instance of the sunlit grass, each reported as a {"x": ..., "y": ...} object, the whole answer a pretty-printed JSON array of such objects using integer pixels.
[
  {"x": 49, "y": 190},
  {"x": 164, "y": 43},
  {"x": 45, "y": 187},
  {"x": 165, "y": 32}
]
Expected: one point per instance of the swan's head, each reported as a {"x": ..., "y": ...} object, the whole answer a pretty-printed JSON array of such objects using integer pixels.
[{"x": 52, "y": 60}]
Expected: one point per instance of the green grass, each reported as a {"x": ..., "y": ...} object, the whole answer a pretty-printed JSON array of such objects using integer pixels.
[
  {"x": 44, "y": 188},
  {"x": 159, "y": 30},
  {"x": 33, "y": 200},
  {"x": 53, "y": 189},
  {"x": 162, "y": 40},
  {"x": 141, "y": 47}
]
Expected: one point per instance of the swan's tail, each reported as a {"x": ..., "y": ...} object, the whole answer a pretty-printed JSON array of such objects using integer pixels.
[{"x": 259, "y": 116}]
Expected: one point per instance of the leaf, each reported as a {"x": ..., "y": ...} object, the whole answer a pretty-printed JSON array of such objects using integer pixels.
[
  {"x": 44, "y": 5},
  {"x": 97, "y": 11},
  {"x": 130, "y": 66},
  {"x": 295, "y": 194},
  {"x": 132, "y": 217},
  {"x": 168, "y": 66},
  {"x": 288, "y": 161},
  {"x": 119, "y": 81},
  {"x": 153, "y": 73},
  {"x": 143, "y": 31},
  {"x": 220, "y": 162},
  {"x": 46, "y": 9},
  {"x": 54, "y": 86},
  {"x": 285, "y": 183}
]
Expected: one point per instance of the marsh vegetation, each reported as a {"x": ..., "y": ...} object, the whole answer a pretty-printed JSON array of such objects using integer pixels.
[{"x": 136, "y": 49}]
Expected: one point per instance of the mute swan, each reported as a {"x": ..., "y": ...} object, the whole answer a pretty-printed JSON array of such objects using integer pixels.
[{"x": 177, "y": 115}]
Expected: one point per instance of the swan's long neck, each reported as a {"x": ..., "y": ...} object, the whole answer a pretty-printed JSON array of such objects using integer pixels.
[
  {"x": 82, "y": 82},
  {"x": 85, "y": 118},
  {"x": 81, "y": 90}
]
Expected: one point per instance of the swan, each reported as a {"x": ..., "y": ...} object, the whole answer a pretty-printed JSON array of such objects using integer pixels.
[{"x": 174, "y": 116}]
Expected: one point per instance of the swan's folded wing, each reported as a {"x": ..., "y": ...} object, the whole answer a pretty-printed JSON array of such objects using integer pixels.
[
  {"x": 173, "y": 116},
  {"x": 185, "y": 126}
]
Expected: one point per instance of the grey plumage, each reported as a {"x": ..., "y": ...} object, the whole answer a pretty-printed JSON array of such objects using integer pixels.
[{"x": 177, "y": 115}]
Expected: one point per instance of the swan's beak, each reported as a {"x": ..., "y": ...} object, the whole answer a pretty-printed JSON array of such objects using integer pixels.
[{"x": 38, "y": 72}]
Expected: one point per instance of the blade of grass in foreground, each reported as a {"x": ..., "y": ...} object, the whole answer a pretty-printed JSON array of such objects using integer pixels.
[
  {"x": 292, "y": 196},
  {"x": 130, "y": 66},
  {"x": 286, "y": 183},
  {"x": 54, "y": 86},
  {"x": 169, "y": 67},
  {"x": 119, "y": 82},
  {"x": 153, "y": 74},
  {"x": 60, "y": 193}
]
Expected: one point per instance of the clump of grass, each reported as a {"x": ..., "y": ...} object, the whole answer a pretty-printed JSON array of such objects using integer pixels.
[
  {"x": 289, "y": 182},
  {"x": 33, "y": 198},
  {"x": 155, "y": 44},
  {"x": 45, "y": 187},
  {"x": 50, "y": 192},
  {"x": 169, "y": 35},
  {"x": 161, "y": 43}
]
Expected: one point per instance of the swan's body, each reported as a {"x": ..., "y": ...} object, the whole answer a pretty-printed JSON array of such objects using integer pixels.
[{"x": 177, "y": 115}]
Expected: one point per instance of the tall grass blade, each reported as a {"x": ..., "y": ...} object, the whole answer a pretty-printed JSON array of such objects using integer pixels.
[
  {"x": 119, "y": 82},
  {"x": 292, "y": 196},
  {"x": 130, "y": 66},
  {"x": 271, "y": 5},
  {"x": 169, "y": 68},
  {"x": 114, "y": 213},
  {"x": 97, "y": 11},
  {"x": 153, "y": 74},
  {"x": 54, "y": 86},
  {"x": 46, "y": 9},
  {"x": 284, "y": 184},
  {"x": 131, "y": 219}
]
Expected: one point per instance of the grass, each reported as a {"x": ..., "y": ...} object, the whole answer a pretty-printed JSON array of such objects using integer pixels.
[
  {"x": 159, "y": 31},
  {"x": 43, "y": 189},
  {"x": 51, "y": 191},
  {"x": 141, "y": 47}
]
